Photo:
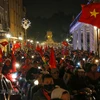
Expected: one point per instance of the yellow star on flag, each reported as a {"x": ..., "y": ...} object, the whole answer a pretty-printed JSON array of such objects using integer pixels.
[{"x": 94, "y": 13}]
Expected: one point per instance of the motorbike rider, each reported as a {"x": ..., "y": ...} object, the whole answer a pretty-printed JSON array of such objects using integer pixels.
[
  {"x": 5, "y": 86},
  {"x": 78, "y": 84},
  {"x": 78, "y": 80},
  {"x": 93, "y": 75}
]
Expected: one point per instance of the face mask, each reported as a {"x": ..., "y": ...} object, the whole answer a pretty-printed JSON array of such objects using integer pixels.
[{"x": 49, "y": 87}]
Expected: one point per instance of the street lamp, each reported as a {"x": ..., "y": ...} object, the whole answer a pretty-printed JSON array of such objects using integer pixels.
[
  {"x": 37, "y": 42},
  {"x": 20, "y": 38},
  {"x": 31, "y": 41},
  {"x": 67, "y": 39},
  {"x": 8, "y": 36},
  {"x": 25, "y": 24}
]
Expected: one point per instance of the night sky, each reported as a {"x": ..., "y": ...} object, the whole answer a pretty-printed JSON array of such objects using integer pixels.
[{"x": 53, "y": 15}]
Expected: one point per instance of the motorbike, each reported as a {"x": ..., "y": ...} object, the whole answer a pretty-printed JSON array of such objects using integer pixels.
[{"x": 84, "y": 94}]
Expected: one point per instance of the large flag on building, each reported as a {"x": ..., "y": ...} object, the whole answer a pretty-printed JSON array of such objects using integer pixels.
[{"x": 91, "y": 14}]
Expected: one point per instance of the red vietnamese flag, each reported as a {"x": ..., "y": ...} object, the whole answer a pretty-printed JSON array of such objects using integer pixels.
[
  {"x": 4, "y": 43},
  {"x": 45, "y": 48},
  {"x": 16, "y": 46},
  {"x": 41, "y": 51},
  {"x": 52, "y": 61},
  {"x": 38, "y": 47},
  {"x": 91, "y": 14},
  {"x": 1, "y": 55},
  {"x": 65, "y": 43}
]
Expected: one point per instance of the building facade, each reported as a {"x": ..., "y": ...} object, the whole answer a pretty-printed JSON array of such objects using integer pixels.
[
  {"x": 11, "y": 14},
  {"x": 16, "y": 14},
  {"x": 85, "y": 36},
  {"x": 4, "y": 21},
  {"x": 3, "y": 15}
]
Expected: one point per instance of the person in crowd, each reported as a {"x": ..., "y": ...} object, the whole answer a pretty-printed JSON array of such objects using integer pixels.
[
  {"x": 78, "y": 80},
  {"x": 93, "y": 75},
  {"x": 46, "y": 58},
  {"x": 57, "y": 81},
  {"x": 33, "y": 72},
  {"x": 91, "y": 58},
  {"x": 67, "y": 75},
  {"x": 44, "y": 92},
  {"x": 70, "y": 65},
  {"x": 60, "y": 94},
  {"x": 7, "y": 68},
  {"x": 62, "y": 66},
  {"x": 27, "y": 64},
  {"x": 87, "y": 67},
  {"x": 34, "y": 86},
  {"x": 31, "y": 75},
  {"x": 5, "y": 86},
  {"x": 45, "y": 69}
]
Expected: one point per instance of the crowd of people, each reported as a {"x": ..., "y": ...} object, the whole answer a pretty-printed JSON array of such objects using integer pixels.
[{"x": 75, "y": 76}]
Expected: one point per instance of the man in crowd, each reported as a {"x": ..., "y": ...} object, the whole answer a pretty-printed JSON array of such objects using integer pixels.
[
  {"x": 47, "y": 87},
  {"x": 57, "y": 81},
  {"x": 78, "y": 80}
]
